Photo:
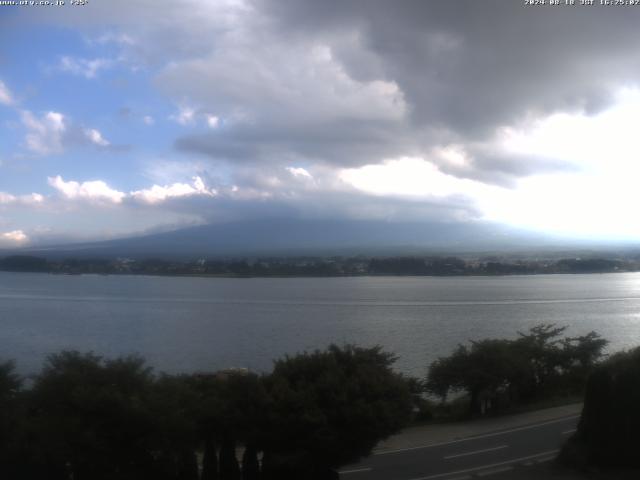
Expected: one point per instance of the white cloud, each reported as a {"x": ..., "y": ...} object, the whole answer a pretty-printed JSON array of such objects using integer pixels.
[
  {"x": 6, "y": 198},
  {"x": 84, "y": 67},
  {"x": 32, "y": 199},
  {"x": 299, "y": 172},
  {"x": 45, "y": 134},
  {"x": 148, "y": 120},
  {"x": 415, "y": 177},
  {"x": 15, "y": 236},
  {"x": 213, "y": 121},
  {"x": 95, "y": 137},
  {"x": 115, "y": 38},
  {"x": 96, "y": 190},
  {"x": 158, "y": 193},
  {"x": 5, "y": 95},
  {"x": 185, "y": 116},
  {"x": 188, "y": 115}
]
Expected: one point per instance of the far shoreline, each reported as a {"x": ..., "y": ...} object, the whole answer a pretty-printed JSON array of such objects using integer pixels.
[
  {"x": 232, "y": 276},
  {"x": 327, "y": 267}
]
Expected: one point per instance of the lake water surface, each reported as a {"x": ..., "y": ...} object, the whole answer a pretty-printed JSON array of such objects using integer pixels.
[{"x": 184, "y": 324}]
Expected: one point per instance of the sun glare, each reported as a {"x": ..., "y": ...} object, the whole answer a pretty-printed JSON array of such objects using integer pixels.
[{"x": 596, "y": 192}]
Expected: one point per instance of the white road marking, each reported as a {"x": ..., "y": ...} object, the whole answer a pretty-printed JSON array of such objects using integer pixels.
[
  {"x": 567, "y": 432},
  {"x": 474, "y": 452},
  {"x": 486, "y": 467},
  {"x": 356, "y": 470},
  {"x": 546, "y": 459},
  {"x": 487, "y": 435},
  {"x": 493, "y": 471}
]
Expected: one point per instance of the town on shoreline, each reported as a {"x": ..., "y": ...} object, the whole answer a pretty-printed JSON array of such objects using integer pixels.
[{"x": 334, "y": 266}]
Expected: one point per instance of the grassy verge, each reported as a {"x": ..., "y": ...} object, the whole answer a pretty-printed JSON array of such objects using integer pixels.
[{"x": 457, "y": 410}]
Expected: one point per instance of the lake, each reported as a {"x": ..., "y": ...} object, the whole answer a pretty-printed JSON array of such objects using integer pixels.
[{"x": 185, "y": 324}]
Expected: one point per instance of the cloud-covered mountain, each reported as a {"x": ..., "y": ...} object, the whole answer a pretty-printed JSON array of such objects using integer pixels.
[{"x": 284, "y": 237}]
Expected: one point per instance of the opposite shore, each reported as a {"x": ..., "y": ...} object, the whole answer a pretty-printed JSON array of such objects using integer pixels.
[{"x": 325, "y": 266}]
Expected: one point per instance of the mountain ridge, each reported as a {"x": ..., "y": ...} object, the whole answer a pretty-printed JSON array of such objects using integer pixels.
[{"x": 291, "y": 237}]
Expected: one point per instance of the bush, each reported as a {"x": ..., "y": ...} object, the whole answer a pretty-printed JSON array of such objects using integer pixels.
[{"x": 608, "y": 433}]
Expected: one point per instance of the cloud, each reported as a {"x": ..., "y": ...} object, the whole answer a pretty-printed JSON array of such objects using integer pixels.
[
  {"x": 299, "y": 172},
  {"x": 460, "y": 109},
  {"x": 100, "y": 192},
  {"x": 148, "y": 120},
  {"x": 53, "y": 132},
  {"x": 185, "y": 115},
  {"x": 115, "y": 38},
  {"x": 44, "y": 134},
  {"x": 312, "y": 108},
  {"x": 95, "y": 137},
  {"x": 16, "y": 237},
  {"x": 5, "y": 95},
  {"x": 359, "y": 83},
  {"x": 88, "y": 68},
  {"x": 32, "y": 199},
  {"x": 157, "y": 193},
  {"x": 213, "y": 121},
  {"x": 96, "y": 190},
  {"x": 6, "y": 198},
  {"x": 471, "y": 67}
]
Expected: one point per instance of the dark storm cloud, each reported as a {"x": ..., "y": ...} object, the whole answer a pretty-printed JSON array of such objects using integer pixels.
[
  {"x": 341, "y": 143},
  {"x": 470, "y": 65},
  {"x": 462, "y": 69}
]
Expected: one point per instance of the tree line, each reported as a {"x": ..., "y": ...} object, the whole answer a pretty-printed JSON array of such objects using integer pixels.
[
  {"x": 318, "y": 266},
  {"x": 87, "y": 417},
  {"x": 501, "y": 373}
]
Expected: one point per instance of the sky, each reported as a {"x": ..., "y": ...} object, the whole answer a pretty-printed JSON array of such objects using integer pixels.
[{"x": 119, "y": 118}]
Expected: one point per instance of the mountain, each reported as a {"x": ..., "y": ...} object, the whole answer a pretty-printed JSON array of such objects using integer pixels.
[{"x": 289, "y": 237}]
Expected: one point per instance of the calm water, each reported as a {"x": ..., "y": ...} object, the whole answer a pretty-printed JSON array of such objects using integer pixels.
[{"x": 188, "y": 324}]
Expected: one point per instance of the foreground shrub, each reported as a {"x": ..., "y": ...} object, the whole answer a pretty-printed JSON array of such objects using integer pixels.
[{"x": 608, "y": 433}]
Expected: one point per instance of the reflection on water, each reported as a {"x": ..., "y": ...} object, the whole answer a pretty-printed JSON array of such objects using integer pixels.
[{"x": 186, "y": 324}]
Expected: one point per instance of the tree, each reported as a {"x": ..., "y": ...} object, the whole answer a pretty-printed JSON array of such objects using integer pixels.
[
  {"x": 329, "y": 408},
  {"x": 608, "y": 433},
  {"x": 481, "y": 371},
  {"x": 545, "y": 358},
  {"x": 11, "y": 420},
  {"x": 230, "y": 409},
  {"x": 172, "y": 404},
  {"x": 535, "y": 364},
  {"x": 250, "y": 465},
  {"x": 90, "y": 418}
]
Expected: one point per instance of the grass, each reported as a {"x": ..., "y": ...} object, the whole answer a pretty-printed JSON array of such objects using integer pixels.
[{"x": 457, "y": 409}]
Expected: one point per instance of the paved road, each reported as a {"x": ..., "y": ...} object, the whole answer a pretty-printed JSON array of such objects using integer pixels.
[{"x": 470, "y": 457}]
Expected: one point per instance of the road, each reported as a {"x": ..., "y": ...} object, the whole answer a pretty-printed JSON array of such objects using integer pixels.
[{"x": 469, "y": 457}]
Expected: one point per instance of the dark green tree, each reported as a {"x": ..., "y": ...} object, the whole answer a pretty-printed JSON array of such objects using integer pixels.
[
  {"x": 231, "y": 410},
  {"x": 538, "y": 363},
  {"x": 250, "y": 465},
  {"x": 210, "y": 460},
  {"x": 173, "y": 404},
  {"x": 541, "y": 346},
  {"x": 11, "y": 421},
  {"x": 329, "y": 408},
  {"x": 89, "y": 416},
  {"x": 608, "y": 433},
  {"x": 481, "y": 370},
  {"x": 229, "y": 466}
]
